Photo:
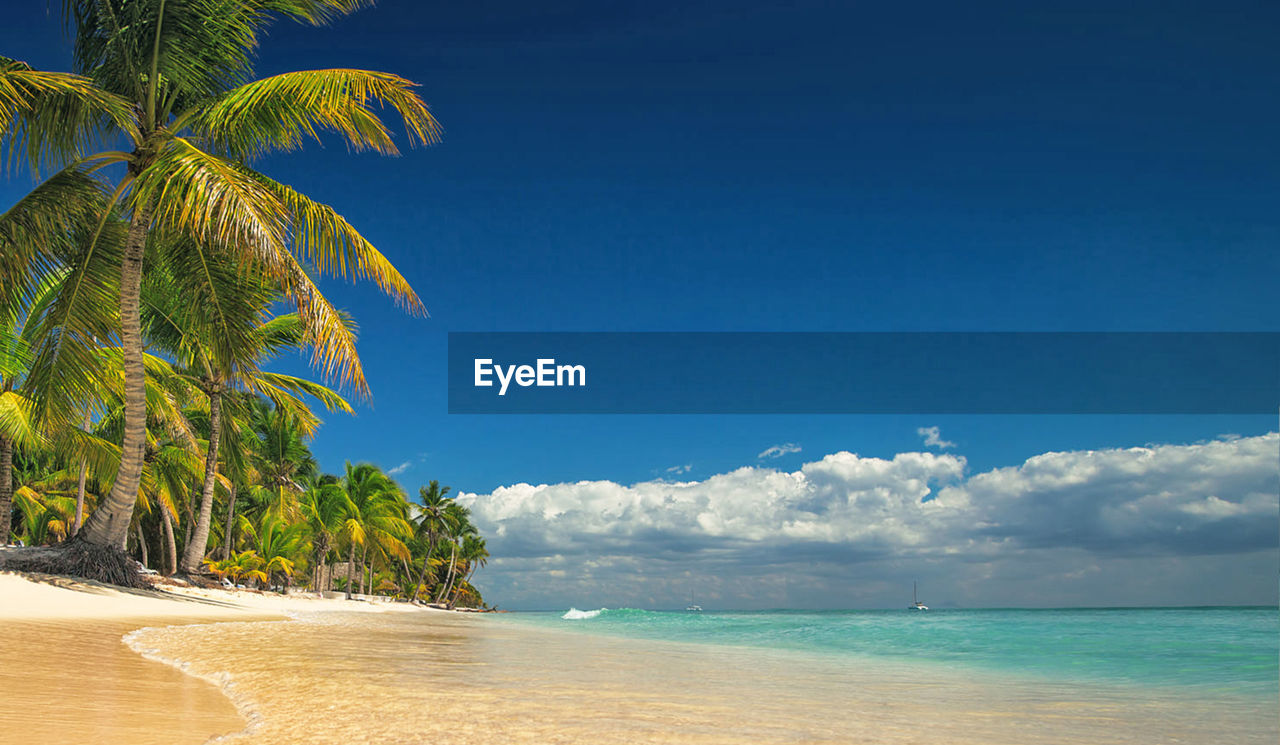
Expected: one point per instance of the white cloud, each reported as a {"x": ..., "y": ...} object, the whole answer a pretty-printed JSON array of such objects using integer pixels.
[
  {"x": 777, "y": 451},
  {"x": 680, "y": 470},
  {"x": 1059, "y": 520},
  {"x": 400, "y": 468},
  {"x": 933, "y": 438}
]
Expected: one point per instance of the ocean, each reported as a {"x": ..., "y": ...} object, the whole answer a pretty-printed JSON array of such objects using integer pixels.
[
  {"x": 1206, "y": 651},
  {"x": 996, "y": 677}
]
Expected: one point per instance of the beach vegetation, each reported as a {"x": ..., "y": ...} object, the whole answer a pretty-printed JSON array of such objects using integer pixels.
[{"x": 151, "y": 143}]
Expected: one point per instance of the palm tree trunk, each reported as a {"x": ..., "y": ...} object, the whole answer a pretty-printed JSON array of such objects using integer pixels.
[
  {"x": 228, "y": 539},
  {"x": 351, "y": 562},
  {"x": 171, "y": 555},
  {"x": 453, "y": 552},
  {"x": 142, "y": 543},
  {"x": 199, "y": 542},
  {"x": 84, "y": 472},
  {"x": 6, "y": 488},
  {"x": 364, "y": 557},
  {"x": 431, "y": 549},
  {"x": 449, "y": 592},
  {"x": 109, "y": 523}
]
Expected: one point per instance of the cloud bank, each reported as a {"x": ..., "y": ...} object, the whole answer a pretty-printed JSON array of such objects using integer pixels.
[{"x": 846, "y": 530}]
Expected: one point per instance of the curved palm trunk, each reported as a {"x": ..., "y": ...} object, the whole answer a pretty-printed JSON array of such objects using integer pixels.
[
  {"x": 364, "y": 558},
  {"x": 465, "y": 581},
  {"x": 199, "y": 541},
  {"x": 142, "y": 544},
  {"x": 171, "y": 555},
  {"x": 422, "y": 575},
  {"x": 109, "y": 523},
  {"x": 450, "y": 593},
  {"x": 6, "y": 488},
  {"x": 228, "y": 538},
  {"x": 84, "y": 472},
  {"x": 453, "y": 553},
  {"x": 351, "y": 562}
]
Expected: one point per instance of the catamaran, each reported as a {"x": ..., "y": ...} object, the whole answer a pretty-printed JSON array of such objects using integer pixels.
[{"x": 915, "y": 601}]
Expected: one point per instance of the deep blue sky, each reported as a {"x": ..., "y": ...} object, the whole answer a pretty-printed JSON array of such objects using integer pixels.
[{"x": 786, "y": 166}]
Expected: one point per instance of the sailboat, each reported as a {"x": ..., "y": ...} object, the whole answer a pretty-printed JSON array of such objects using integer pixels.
[
  {"x": 693, "y": 607},
  {"x": 915, "y": 600}
]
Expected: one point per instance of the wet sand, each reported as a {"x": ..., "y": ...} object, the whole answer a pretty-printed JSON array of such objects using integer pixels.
[
  {"x": 393, "y": 674},
  {"x": 66, "y": 675},
  {"x": 464, "y": 680}
]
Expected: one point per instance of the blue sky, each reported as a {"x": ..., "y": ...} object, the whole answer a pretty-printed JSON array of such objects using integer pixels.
[{"x": 813, "y": 166}]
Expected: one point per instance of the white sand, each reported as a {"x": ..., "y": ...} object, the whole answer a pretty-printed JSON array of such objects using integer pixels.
[
  {"x": 70, "y": 679},
  {"x": 38, "y": 597}
]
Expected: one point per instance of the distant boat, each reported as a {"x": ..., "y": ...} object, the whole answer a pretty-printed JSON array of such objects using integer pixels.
[
  {"x": 915, "y": 601},
  {"x": 694, "y": 608}
]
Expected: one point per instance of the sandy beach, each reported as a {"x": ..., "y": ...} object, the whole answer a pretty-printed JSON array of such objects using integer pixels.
[
  {"x": 69, "y": 677},
  {"x": 88, "y": 663}
]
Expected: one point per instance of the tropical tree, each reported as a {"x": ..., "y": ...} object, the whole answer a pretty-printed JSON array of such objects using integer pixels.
[
  {"x": 172, "y": 80},
  {"x": 474, "y": 554},
  {"x": 216, "y": 323},
  {"x": 280, "y": 546},
  {"x": 429, "y": 525},
  {"x": 17, "y": 425},
  {"x": 239, "y": 566},
  {"x": 324, "y": 507},
  {"x": 377, "y": 518},
  {"x": 458, "y": 526}
]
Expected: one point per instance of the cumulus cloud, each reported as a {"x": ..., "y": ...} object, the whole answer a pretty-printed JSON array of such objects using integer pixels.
[
  {"x": 849, "y": 521},
  {"x": 933, "y": 438},
  {"x": 680, "y": 470},
  {"x": 777, "y": 451}
]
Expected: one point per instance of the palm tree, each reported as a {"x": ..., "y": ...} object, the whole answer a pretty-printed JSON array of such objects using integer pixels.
[
  {"x": 281, "y": 461},
  {"x": 216, "y": 323},
  {"x": 279, "y": 545},
  {"x": 474, "y": 554},
  {"x": 376, "y": 516},
  {"x": 324, "y": 507},
  {"x": 16, "y": 422},
  {"x": 173, "y": 80},
  {"x": 458, "y": 524},
  {"x": 429, "y": 525}
]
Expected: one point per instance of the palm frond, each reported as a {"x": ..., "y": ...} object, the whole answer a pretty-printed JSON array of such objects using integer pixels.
[
  {"x": 323, "y": 239},
  {"x": 17, "y": 422},
  {"x": 55, "y": 117},
  {"x": 281, "y": 112}
]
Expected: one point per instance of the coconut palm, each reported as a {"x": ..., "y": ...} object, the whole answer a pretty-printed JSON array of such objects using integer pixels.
[
  {"x": 474, "y": 554},
  {"x": 172, "y": 80},
  {"x": 280, "y": 545},
  {"x": 216, "y": 322},
  {"x": 376, "y": 517},
  {"x": 17, "y": 425},
  {"x": 281, "y": 461},
  {"x": 458, "y": 526},
  {"x": 324, "y": 507},
  {"x": 429, "y": 525}
]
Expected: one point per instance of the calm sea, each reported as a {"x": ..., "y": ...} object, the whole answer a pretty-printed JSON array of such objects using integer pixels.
[{"x": 1207, "y": 650}]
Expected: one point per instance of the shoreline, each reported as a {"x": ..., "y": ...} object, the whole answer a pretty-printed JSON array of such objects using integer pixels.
[
  {"x": 54, "y": 622},
  {"x": 203, "y": 665}
]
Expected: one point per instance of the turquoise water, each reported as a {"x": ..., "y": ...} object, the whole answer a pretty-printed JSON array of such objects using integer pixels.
[{"x": 1215, "y": 651}]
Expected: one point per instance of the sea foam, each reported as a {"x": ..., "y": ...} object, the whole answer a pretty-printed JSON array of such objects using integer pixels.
[{"x": 573, "y": 614}]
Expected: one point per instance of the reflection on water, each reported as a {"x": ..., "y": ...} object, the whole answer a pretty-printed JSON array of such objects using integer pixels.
[
  {"x": 75, "y": 682},
  {"x": 435, "y": 678}
]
